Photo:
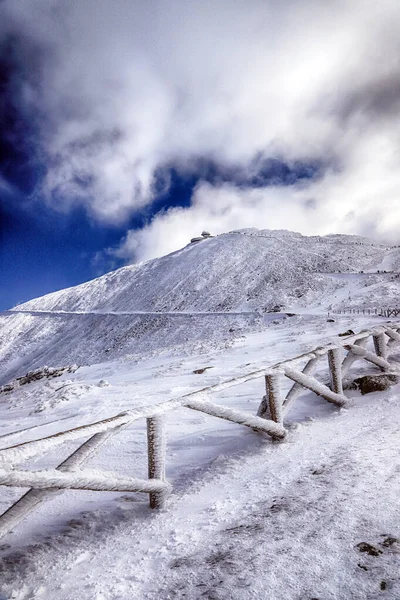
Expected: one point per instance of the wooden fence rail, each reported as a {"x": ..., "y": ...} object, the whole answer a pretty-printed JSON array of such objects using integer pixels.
[
  {"x": 380, "y": 312},
  {"x": 270, "y": 418}
]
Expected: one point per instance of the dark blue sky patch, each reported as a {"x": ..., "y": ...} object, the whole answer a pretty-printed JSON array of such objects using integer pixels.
[
  {"x": 47, "y": 251},
  {"x": 19, "y": 164},
  {"x": 260, "y": 172}
]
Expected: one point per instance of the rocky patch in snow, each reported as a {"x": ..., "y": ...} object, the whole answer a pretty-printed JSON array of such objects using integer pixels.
[
  {"x": 374, "y": 383},
  {"x": 36, "y": 375}
]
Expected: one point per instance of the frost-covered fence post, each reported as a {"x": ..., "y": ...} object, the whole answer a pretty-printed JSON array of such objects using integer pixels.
[
  {"x": 271, "y": 405},
  {"x": 381, "y": 348},
  {"x": 335, "y": 369},
  {"x": 156, "y": 449}
]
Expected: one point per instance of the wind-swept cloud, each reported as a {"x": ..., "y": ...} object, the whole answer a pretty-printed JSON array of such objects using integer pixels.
[{"x": 122, "y": 90}]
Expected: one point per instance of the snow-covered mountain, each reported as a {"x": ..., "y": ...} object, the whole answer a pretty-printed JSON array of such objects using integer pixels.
[
  {"x": 238, "y": 271},
  {"x": 178, "y": 324},
  {"x": 240, "y": 275}
]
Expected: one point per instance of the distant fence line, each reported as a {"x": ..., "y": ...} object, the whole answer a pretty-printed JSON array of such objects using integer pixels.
[
  {"x": 380, "y": 312},
  {"x": 270, "y": 419}
]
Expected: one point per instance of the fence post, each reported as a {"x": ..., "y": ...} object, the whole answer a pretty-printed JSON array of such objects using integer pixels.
[
  {"x": 271, "y": 404},
  {"x": 380, "y": 345},
  {"x": 335, "y": 369},
  {"x": 156, "y": 451}
]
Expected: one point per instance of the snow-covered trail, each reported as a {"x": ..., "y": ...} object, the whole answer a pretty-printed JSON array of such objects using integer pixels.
[
  {"x": 282, "y": 521},
  {"x": 63, "y": 313},
  {"x": 248, "y": 518}
]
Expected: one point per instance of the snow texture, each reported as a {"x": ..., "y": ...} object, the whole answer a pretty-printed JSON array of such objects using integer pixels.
[
  {"x": 369, "y": 356},
  {"x": 256, "y": 423},
  {"x": 305, "y": 507},
  {"x": 88, "y": 479},
  {"x": 165, "y": 304},
  {"x": 315, "y": 386}
]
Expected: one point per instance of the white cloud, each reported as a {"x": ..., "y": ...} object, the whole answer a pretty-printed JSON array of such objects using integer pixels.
[{"x": 128, "y": 87}]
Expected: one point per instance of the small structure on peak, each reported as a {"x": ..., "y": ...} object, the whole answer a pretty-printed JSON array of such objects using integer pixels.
[{"x": 204, "y": 236}]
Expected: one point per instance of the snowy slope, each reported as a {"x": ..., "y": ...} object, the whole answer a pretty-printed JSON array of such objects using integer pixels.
[
  {"x": 30, "y": 341},
  {"x": 241, "y": 270},
  {"x": 248, "y": 518},
  {"x": 246, "y": 271}
]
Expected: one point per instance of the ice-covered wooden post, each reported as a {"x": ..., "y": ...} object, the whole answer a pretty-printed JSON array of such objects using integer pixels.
[
  {"x": 380, "y": 345},
  {"x": 156, "y": 449},
  {"x": 335, "y": 369},
  {"x": 271, "y": 405}
]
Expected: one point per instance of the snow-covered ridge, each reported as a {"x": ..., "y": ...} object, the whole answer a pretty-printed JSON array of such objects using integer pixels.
[
  {"x": 238, "y": 271},
  {"x": 216, "y": 290}
]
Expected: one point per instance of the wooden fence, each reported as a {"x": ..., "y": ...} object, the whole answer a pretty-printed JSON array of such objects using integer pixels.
[
  {"x": 380, "y": 312},
  {"x": 270, "y": 418}
]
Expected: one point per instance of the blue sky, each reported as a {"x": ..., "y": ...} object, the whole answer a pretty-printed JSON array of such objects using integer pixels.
[
  {"x": 127, "y": 128},
  {"x": 42, "y": 250}
]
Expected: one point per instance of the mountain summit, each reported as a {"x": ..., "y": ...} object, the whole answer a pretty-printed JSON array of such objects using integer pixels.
[
  {"x": 238, "y": 271},
  {"x": 207, "y": 293}
]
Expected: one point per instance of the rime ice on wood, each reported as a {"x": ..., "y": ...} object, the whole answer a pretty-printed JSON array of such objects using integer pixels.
[
  {"x": 20, "y": 452},
  {"x": 88, "y": 479},
  {"x": 315, "y": 386},
  {"x": 368, "y": 356},
  {"x": 29, "y": 501},
  {"x": 335, "y": 369},
  {"x": 263, "y": 409},
  {"x": 297, "y": 388},
  {"x": 156, "y": 457},
  {"x": 381, "y": 348},
  {"x": 273, "y": 397},
  {"x": 393, "y": 335},
  {"x": 351, "y": 358},
  {"x": 275, "y": 430}
]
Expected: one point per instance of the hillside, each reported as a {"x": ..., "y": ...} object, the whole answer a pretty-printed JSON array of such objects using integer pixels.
[
  {"x": 146, "y": 334},
  {"x": 231, "y": 279},
  {"x": 303, "y": 507},
  {"x": 237, "y": 271}
]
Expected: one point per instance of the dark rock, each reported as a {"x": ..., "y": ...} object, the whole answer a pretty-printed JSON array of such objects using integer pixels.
[
  {"x": 36, "y": 375},
  {"x": 348, "y": 332},
  {"x": 369, "y": 549},
  {"x": 375, "y": 383},
  {"x": 383, "y": 585},
  {"x": 330, "y": 320},
  {"x": 318, "y": 471},
  {"x": 389, "y": 541},
  {"x": 200, "y": 371},
  {"x": 350, "y": 385},
  {"x": 45, "y": 372},
  {"x": 7, "y": 388}
]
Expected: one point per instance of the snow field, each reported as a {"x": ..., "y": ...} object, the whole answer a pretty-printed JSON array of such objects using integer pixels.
[{"x": 247, "y": 518}]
